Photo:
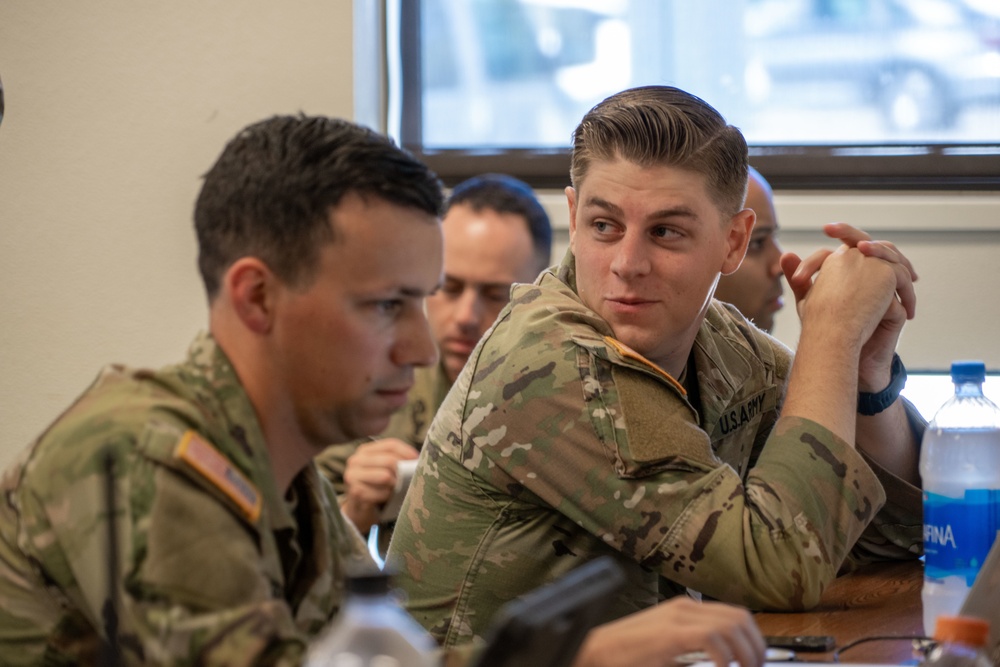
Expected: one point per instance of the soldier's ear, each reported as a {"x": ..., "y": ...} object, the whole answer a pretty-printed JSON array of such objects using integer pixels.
[
  {"x": 249, "y": 286},
  {"x": 571, "y": 203},
  {"x": 737, "y": 240}
]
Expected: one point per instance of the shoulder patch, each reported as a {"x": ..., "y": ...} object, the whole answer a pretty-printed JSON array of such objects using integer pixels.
[
  {"x": 213, "y": 466},
  {"x": 629, "y": 353}
]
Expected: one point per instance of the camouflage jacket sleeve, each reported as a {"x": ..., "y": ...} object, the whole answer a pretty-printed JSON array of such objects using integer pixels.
[{"x": 896, "y": 532}]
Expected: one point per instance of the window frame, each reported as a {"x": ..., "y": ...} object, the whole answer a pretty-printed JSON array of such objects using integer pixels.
[{"x": 891, "y": 166}]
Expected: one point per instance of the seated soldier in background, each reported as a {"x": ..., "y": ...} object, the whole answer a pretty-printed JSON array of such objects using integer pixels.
[
  {"x": 755, "y": 288},
  {"x": 495, "y": 234},
  {"x": 318, "y": 242},
  {"x": 616, "y": 409}
]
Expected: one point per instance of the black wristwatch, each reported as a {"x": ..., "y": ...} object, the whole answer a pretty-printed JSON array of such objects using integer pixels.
[{"x": 872, "y": 404}]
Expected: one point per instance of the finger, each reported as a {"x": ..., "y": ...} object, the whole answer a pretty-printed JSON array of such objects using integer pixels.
[
  {"x": 372, "y": 458},
  {"x": 377, "y": 461},
  {"x": 402, "y": 450},
  {"x": 905, "y": 292},
  {"x": 375, "y": 489},
  {"x": 743, "y": 651},
  {"x": 372, "y": 494},
  {"x": 718, "y": 650},
  {"x": 904, "y": 289},
  {"x": 393, "y": 446},
  {"x": 845, "y": 233},
  {"x": 373, "y": 476},
  {"x": 789, "y": 263},
  {"x": 799, "y": 272},
  {"x": 887, "y": 251},
  {"x": 744, "y": 640},
  {"x": 757, "y": 641},
  {"x": 753, "y": 645},
  {"x": 811, "y": 265}
]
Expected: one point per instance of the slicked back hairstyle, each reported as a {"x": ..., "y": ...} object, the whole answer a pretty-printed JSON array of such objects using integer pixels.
[
  {"x": 270, "y": 193},
  {"x": 505, "y": 194},
  {"x": 663, "y": 125}
]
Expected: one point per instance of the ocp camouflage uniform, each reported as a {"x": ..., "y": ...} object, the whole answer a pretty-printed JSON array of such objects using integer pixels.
[
  {"x": 558, "y": 444},
  {"x": 409, "y": 423},
  {"x": 217, "y": 567}
]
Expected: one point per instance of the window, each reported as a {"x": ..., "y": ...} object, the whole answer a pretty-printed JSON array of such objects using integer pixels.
[
  {"x": 928, "y": 390},
  {"x": 829, "y": 93}
]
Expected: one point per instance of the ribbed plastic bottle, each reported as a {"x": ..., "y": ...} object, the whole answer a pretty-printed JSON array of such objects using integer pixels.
[
  {"x": 372, "y": 630},
  {"x": 960, "y": 471},
  {"x": 961, "y": 642}
]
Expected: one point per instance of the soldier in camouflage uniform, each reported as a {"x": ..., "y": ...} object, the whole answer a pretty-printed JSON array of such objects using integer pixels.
[
  {"x": 616, "y": 408},
  {"x": 496, "y": 234},
  {"x": 318, "y": 241}
]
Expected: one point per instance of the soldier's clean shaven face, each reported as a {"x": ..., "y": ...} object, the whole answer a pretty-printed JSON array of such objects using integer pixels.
[
  {"x": 484, "y": 253},
  {"x": 348, "y": 343},
  {"x": 650, "y": 245}
]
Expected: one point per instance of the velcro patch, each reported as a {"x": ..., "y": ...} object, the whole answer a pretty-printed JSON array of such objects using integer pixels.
[
  {"x": 214, "y": 467},
  {"x": 627, "y": 352}
]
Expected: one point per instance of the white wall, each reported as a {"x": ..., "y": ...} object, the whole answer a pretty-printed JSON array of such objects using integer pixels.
[{"x": 114, "y": 108}]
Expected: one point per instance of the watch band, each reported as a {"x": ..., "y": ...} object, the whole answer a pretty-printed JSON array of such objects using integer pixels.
[{"x": 873, "y": 403}]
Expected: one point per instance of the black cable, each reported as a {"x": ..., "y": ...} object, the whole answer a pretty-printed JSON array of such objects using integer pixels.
[
  {"x": 112, "y": 649},
  {"x": 926, "y": 643}
]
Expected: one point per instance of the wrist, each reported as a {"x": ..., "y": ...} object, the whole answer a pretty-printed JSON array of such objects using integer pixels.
[
  {"x": 824, "y": 336},
  {"x": 872, "y": 403},
  {"x": 875, "y": 374}
]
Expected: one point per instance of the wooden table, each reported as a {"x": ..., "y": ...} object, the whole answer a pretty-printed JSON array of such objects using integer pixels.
[{"x": 879, "y": 600}]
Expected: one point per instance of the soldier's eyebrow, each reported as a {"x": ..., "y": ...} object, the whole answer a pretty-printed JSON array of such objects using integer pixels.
[
  {"x": 614, "y": 209},
  {"x": 604, "y": 204},
  {"x": 417, "y": 292},
  {"x": 478, "y": 285}
]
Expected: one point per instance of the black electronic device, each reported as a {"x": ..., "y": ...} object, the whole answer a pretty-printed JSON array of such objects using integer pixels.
[
  {"x": 818, "y": 643},
  {"x": 548, "y": 625}
]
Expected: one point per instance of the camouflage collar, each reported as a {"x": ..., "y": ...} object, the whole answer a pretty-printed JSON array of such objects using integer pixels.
[
  {"x": 725, "y": 362},
  {"x": 218, "y": 390},
  {"x": 565, "y": 271}
]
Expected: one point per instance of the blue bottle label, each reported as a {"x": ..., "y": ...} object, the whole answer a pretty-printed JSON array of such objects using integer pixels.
[{"x": 958, "y": 532}]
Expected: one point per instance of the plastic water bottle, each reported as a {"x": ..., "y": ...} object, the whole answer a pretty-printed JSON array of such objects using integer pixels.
[
  {"x": 961, "y": 642},
  {"x": 960, "y": 469},
  {"x": 372, "y": 630}
]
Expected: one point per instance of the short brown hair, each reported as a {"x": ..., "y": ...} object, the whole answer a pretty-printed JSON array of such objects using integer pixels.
[
  {"x": 270, "y": 193},
  {"x": 662, "y": 125}
]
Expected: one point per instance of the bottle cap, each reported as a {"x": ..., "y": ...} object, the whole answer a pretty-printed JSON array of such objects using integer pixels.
[
  {"x": 968, "y": 371},
  {"x": 962, "y": 629}
]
